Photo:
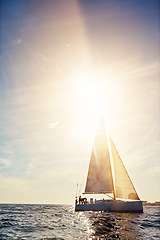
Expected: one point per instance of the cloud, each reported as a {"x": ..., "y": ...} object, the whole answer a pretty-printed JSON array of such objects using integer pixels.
[
  {"x": 41, "y": 57},
  {"x": 12, "y": 44},
  {"x": 52, "y": 125},
  {"x": 7, "y": 149},
  {"x": 152, "y": 172},
  {"x": 19, "y": 40},
  {"x": 144, "y": 69},
  {"x": 65, "y": 44},
  {"x": 4, "y": 163}
]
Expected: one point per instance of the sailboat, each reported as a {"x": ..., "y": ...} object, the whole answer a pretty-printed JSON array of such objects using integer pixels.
[{"x": 100, "y": 180}]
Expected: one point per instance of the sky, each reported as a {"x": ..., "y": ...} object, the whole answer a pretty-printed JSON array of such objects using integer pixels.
[{"x": 64, "y": 64}]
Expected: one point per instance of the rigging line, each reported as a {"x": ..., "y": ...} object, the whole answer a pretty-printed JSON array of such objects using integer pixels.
[
  {"x": 110, "y": 196},
  {"x": 112, "y": 165},
  {"x": 76, "y": 189},
  {"x": 79, "y": 190}
]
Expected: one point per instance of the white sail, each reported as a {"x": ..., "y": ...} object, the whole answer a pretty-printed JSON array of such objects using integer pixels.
[
  {"x": 99, "y": 179},
  {"x": 123, "y": 185}
]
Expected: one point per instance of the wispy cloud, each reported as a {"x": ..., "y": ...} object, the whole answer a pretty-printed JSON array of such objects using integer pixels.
[
  {"x": 4, "y": 163},
  {"x": 144, "y": 69},
  {"x": 12, "y": 44},
  {"x": 7, "y": 149},
  {"x": 52, "y": 125},
  {"x": 151, "y": 172}
]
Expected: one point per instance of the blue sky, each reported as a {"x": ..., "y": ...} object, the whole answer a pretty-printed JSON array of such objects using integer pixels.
[{"x": 63, "y": 64}]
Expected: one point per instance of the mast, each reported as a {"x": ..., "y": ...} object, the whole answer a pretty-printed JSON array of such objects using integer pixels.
[{"x": 112, "y": 167}]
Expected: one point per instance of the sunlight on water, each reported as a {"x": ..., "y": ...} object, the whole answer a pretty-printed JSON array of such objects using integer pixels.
[{"x": 61, "y": 222}]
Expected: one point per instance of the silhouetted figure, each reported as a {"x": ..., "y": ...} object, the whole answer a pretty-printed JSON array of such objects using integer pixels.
[
  {"x": 83, "y": 200},
  {"x": 80, "y": 199},
  {"x": 91, "y": 200}
]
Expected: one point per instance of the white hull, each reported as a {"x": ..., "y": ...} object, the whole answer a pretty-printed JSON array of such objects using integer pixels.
[{"x": 112, "y": 206}]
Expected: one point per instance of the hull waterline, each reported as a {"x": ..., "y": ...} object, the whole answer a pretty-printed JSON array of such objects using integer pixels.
[{"x": 112, "y": 206}]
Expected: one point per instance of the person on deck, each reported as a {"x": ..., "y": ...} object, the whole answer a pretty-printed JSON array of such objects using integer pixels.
[{"x": 80, "y": 199}]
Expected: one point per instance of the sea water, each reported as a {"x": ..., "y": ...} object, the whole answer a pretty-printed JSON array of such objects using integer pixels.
[{"x": 58, "y": 222}]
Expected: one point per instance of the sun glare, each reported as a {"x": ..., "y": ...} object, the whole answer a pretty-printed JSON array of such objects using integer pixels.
[
  {"x": 88, "y": 94},
  {"x": 95, "y": 95},
  {"x": 89, "y": 106}
]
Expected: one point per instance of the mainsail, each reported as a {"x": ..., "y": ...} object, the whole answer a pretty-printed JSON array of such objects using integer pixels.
[
  {"x": 123, "y": 185},
  {"x": 99, "y": 179}
]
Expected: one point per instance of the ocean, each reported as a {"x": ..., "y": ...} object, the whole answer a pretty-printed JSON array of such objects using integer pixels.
[{"x": 58, "y": 222}]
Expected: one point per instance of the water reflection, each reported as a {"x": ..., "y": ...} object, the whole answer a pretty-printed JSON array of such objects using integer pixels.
[{"x": 112, "y": 225}]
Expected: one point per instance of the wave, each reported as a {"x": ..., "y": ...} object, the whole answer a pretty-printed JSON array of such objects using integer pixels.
[{"x": 62, "y": 222}]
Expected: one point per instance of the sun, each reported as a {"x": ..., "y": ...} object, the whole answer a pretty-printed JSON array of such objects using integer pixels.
[
  {"x": 88, "y": 94},
  {"x": 88, "y": 103}
]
